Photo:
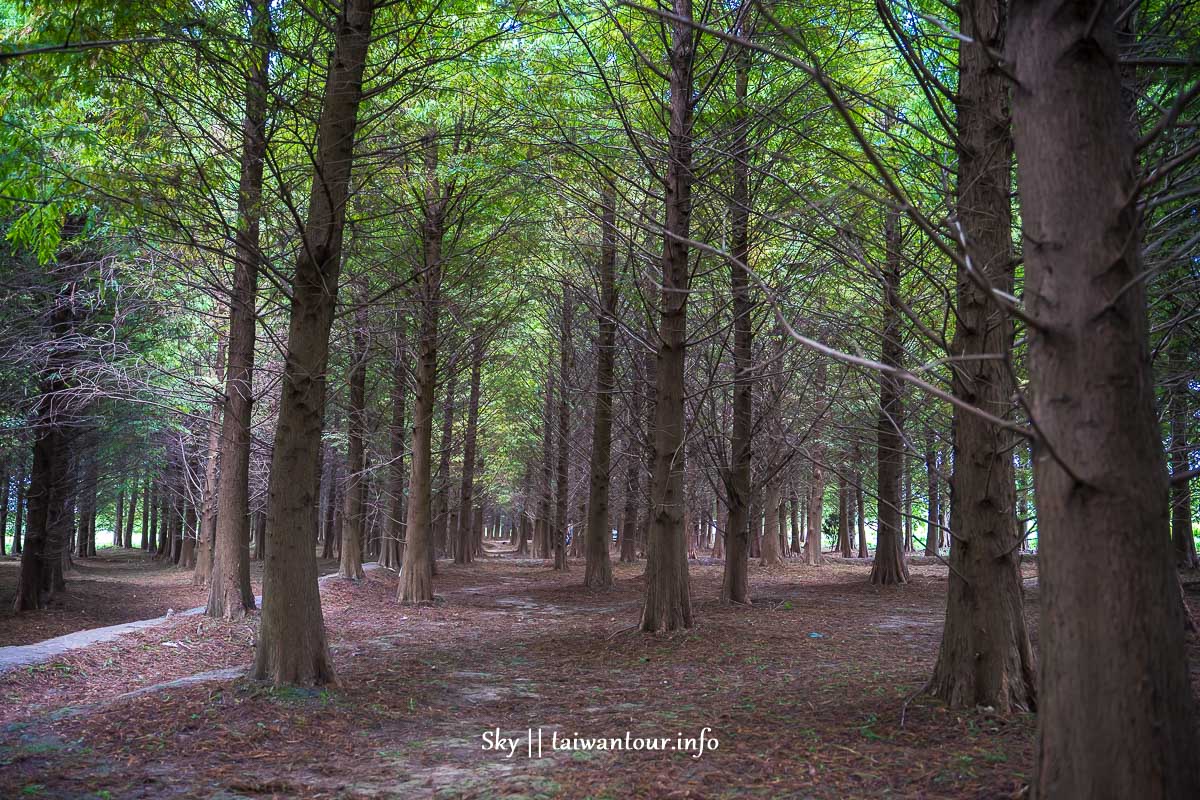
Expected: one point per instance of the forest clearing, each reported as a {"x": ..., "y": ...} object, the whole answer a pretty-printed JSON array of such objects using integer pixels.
[{"x": 599, "y": 399}]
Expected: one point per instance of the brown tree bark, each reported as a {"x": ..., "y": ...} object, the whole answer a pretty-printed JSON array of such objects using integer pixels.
[
  {"x": 985, "y": 656},
  {"x": 563, "y": 472},
  {"x": 1181, "y": 489},
  {"x": 464, "y": 553},
  {"x": 391, "y": 554},
  {"x": 598, "y": 566},
  {"x": 816, "y": 488},
  {"x": 668, "y": 604},
  {"x": 230, "y": 595},
  {"x": 890, "y": 565},
  {"x": 206, "y": 546},
  {"x": 860, "y": 505},
  {"x": 1116, "y": 716},
  {"x": 441, "y": 497},
  {"x": 772, "y": 554},
  {"x": 735, "y": 587},
  {"x": 292, "y": 647},
  {"x": 416, "y": 574},
  {"x": 355, "y": 530}
]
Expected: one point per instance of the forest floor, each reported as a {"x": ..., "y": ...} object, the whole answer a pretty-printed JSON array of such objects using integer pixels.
[
  {"x": 803, "y": 693},
  {"x": 118, "y": 585}
]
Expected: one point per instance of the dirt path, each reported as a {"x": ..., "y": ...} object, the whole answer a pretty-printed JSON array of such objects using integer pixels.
[
  {"x": 802, "y": 694},
  {"x": 116, "y": 587}
]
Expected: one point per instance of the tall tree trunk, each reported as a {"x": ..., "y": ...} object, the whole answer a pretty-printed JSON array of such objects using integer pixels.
[
  {"x": 735, "y": 588},
  {"x": 416, "y": 574},
  {"x": 292, "y": 648},
  {"x": 859, "y": 502},
  {"x": 598, "y": 569},
  {"x": 119, "y": 523},
  {"x": 391, "y": 554},
  {"x": 890, "y": 565},
  {"x": 563, "y": 473},
  {"x": 816, "y": 488},
  {"x": 772, "y": 554},
  {"x": 933, "y": 534},
  {"x": 354, "y": 532},
  {"x": 1116, "y": 716},
  {"x": 465, "y": 551},
  {"x": 4, "y": 495},
  {"x": 985, "y": 657},
  {"x": 668, "y": 600},
  {"x": 130, "y": 516},
  {"x": 795, "y": 522},
  {"x": 1181, "y": 490},
  {"x": 230, "y": 595},
  {"x": 206, "y": 550},
  {"x": 146, "y": 501}
]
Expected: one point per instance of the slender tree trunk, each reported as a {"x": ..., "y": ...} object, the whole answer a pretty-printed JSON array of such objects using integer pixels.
[
  {"x": 292, "y": 648},
  {"x": 563, "y": 473},
  {"x": 985, "y": 657},
  {"x": 416, "y": 574},
  {"x": 598, "y": 570},
  {"x": 4, "y": 495},
  {"x": 206, "y": 546},
  {"x": 230, "y": 594},
  {"x": 354, "y": 530},
  {"x": 890, "y": 565},
  {"x": 772, "y": 554},
  {"x": 859, "y": 502},
  {"x": 816, "y": 488},
  {"x": 146, "y": 501},
  {"x": 465, "y": 552},
  {"x": 391, "y": 554},
  {"x": 668, "y": 600},
  {"x": 1181, "y": 490},
  {"x": 735, "y": 588},
  {"x": 119, "y": 524},
  {"x": 1116, "y": 716},
  {"x": 933, "y": 534}
]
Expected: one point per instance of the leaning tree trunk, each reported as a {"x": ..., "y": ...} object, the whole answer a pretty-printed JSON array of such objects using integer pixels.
[
  {"x": 1115, "y": 710},
  {"x": 598, "y": 566},
  {"x": 416, "y": 574},
  {"x": 668, "y": 601},
  {"x": 735, "y": 588},
  {"x": 464, "y": 552},
  {"x": 354, "y": 533},
  {"x": 985, "y": 657},
  {"x": 890, "y": 565},
  {"x": 229, "y": 593},
  {"x": 292, "y": 647}
]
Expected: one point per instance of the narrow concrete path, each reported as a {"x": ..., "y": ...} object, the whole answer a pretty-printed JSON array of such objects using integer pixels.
[{"x": 26, "y": 654}]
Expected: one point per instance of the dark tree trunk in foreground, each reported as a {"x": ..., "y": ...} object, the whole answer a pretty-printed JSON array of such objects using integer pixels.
[
  {"x": 355, "y": 530},
  {"x": 229, "y": 594},
  {"x": 890, "y": 565},
  {"x": 985, "y": 657},
  {"x": 292, "y": 647},
  {"x": 598, "y": 569},
  {"x": 563, "y": 473},
  {"x": 735, "y": 588},
  {"x": 668, "y": 601},
  {"x": 416, "y": 574},
  {"x": 47, "y": 476},
  {"x": 1115, "y": 708},
  {"x": 464, "y": 551}
]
